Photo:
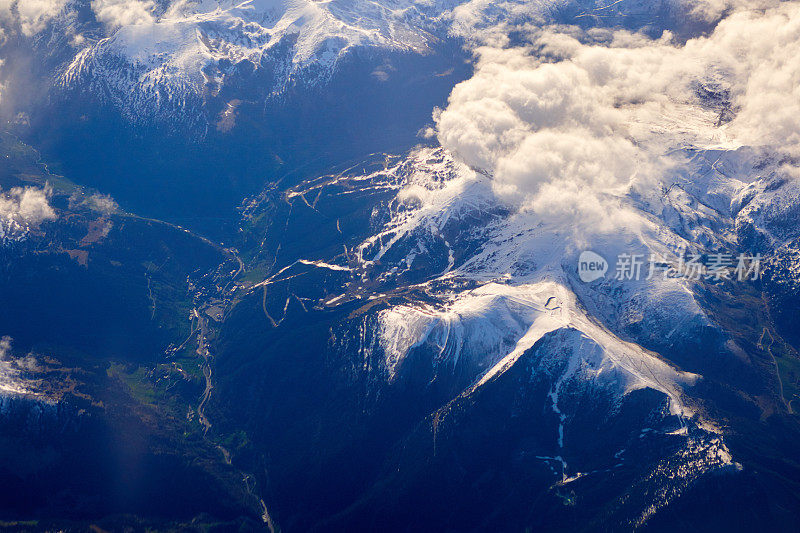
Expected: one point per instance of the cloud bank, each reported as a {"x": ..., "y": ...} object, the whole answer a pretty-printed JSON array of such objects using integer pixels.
[{"x": 572, "y": 118}]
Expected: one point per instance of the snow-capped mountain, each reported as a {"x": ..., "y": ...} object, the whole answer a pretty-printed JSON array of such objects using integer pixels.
[
  {"x": 165, "y": 65},
  {"x": 187, "y": 54}
]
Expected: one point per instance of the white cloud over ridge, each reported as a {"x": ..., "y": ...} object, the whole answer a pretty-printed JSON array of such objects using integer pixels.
[
  {"x": 576, "y": 117},
  {"x": 118, "y": 13}
]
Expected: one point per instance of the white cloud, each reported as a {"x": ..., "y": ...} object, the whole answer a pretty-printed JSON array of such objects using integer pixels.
[
  {"x": 117, "y": 13},
  {"x": 761, "y": 52},
  {"x": 31, "y": 15},
  {"x": 98, "y": 202},
  {"x": 554, "y": 135},
  {"x": 28, "y": 206},
  {"x": 713, "y": 10},
  {"x": 567, "y": 122},
  {"x": 102, "y": 203}
]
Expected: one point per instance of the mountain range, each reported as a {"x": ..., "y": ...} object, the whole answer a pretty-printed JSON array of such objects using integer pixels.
[{"x": 322, "y": 265}]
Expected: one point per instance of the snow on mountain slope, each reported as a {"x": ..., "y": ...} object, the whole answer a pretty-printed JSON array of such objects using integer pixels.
[
  {"x": 496, "y": 323},
  {"x": 767, "y": 210},
  {"x": 495, "y": 294},
  {"x": 170, "y": 61},
  {"x": 179, "y": 59},
  {"x": 560, "y": 149},
  {"x": 551, "y": 151},
  {"x": 501, "y": 281}
]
